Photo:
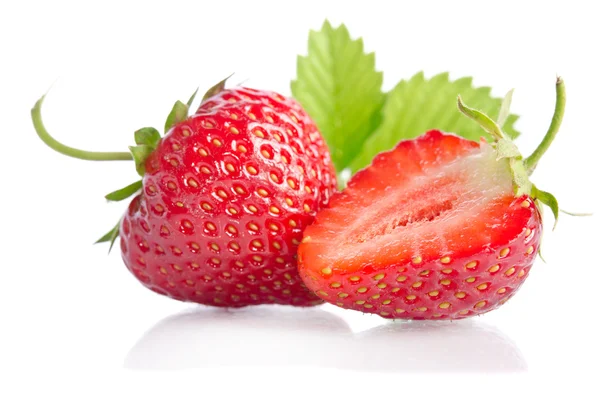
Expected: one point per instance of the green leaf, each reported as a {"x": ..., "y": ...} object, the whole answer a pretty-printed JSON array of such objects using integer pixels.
[
  {"x": 178, "y": 114},
  {"x": 140, "y": 153},
  {"x": 147, "y": 136},
  {"x": 215, "y": 89},
  {"x": 547, "y": 199},
  {"x": 125, "y": 192},
  {"x": 111, "y": 236},
  {"x": 340, "y": 89},
  {"x": 419, "y": 104}
]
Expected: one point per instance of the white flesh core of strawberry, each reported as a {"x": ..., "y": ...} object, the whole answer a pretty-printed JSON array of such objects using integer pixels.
[{"x": 444, "y": 197}]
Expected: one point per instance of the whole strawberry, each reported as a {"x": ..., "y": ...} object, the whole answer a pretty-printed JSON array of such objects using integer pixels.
[
  {"x": 438, "y": 228},
  {"x": 225, "y": 197}
]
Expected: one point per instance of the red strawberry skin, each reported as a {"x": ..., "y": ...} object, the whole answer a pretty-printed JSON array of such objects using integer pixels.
[
  {"x": 431, "y": 230},
  {"x": 226, "y": 196}
]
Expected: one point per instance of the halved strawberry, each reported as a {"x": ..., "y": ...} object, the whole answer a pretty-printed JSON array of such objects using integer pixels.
[{"x": 439, "y": 227}]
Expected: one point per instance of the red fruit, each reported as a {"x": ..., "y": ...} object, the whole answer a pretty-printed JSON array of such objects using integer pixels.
[
  {"x": 225, "y": 198},
  {"x": 437, "y": 228}
]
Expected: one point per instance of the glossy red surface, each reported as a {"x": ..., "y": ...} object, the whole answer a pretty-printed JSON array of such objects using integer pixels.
[{"x": 227, "y": 195}]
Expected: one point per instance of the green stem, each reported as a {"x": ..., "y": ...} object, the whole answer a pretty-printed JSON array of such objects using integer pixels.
[
  {"x": 559, "y": 111},
  {"x": 36, "y": 116}
]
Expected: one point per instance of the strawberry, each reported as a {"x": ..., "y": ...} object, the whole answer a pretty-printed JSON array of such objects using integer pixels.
[
  {"x": 225, "y": 196},
  {"x": 440, "y": 227}
]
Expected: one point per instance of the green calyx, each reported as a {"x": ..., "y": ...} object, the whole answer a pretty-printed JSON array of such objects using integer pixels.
[
  {"x": 215, "y": 89},
  {"x": 146, "y": 140},
  {"x": 521, "y": 168},
  {"x": 110, "y": 236}
]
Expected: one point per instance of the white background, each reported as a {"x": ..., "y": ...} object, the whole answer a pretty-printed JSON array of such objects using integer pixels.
[{"x": 75, "y": 322}]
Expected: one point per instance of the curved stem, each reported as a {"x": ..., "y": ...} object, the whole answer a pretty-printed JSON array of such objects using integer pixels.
[
  {"x": 36, "y": 117},
  {"x": 559, "y": 111}
]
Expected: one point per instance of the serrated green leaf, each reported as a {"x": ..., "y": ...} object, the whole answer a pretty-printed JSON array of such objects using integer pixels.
[
  {"x": 111, "y": 236},
  {"x": 419, "y": 104},
  {"x": 147, "y": 136},
  {"x": 178, "y": 114},
  {"x": 125, "y": 192},
  {"x": 340, "y": 89},
  {"x": 140, "y": 153},
  {"x": 215, "y": 89},
  {"x": 547, "y": 199}
]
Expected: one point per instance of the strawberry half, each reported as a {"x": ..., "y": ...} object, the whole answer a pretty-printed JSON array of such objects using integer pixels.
[
  {"x": 438, "y": 228},
  {"x": 224, "y": 199}
]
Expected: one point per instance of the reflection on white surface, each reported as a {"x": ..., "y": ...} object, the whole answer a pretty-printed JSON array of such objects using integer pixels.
[
  {"x": 279, "y": 336},
  {"x": 459, "y": 346},
  {"x": 255, "y": 336}
]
